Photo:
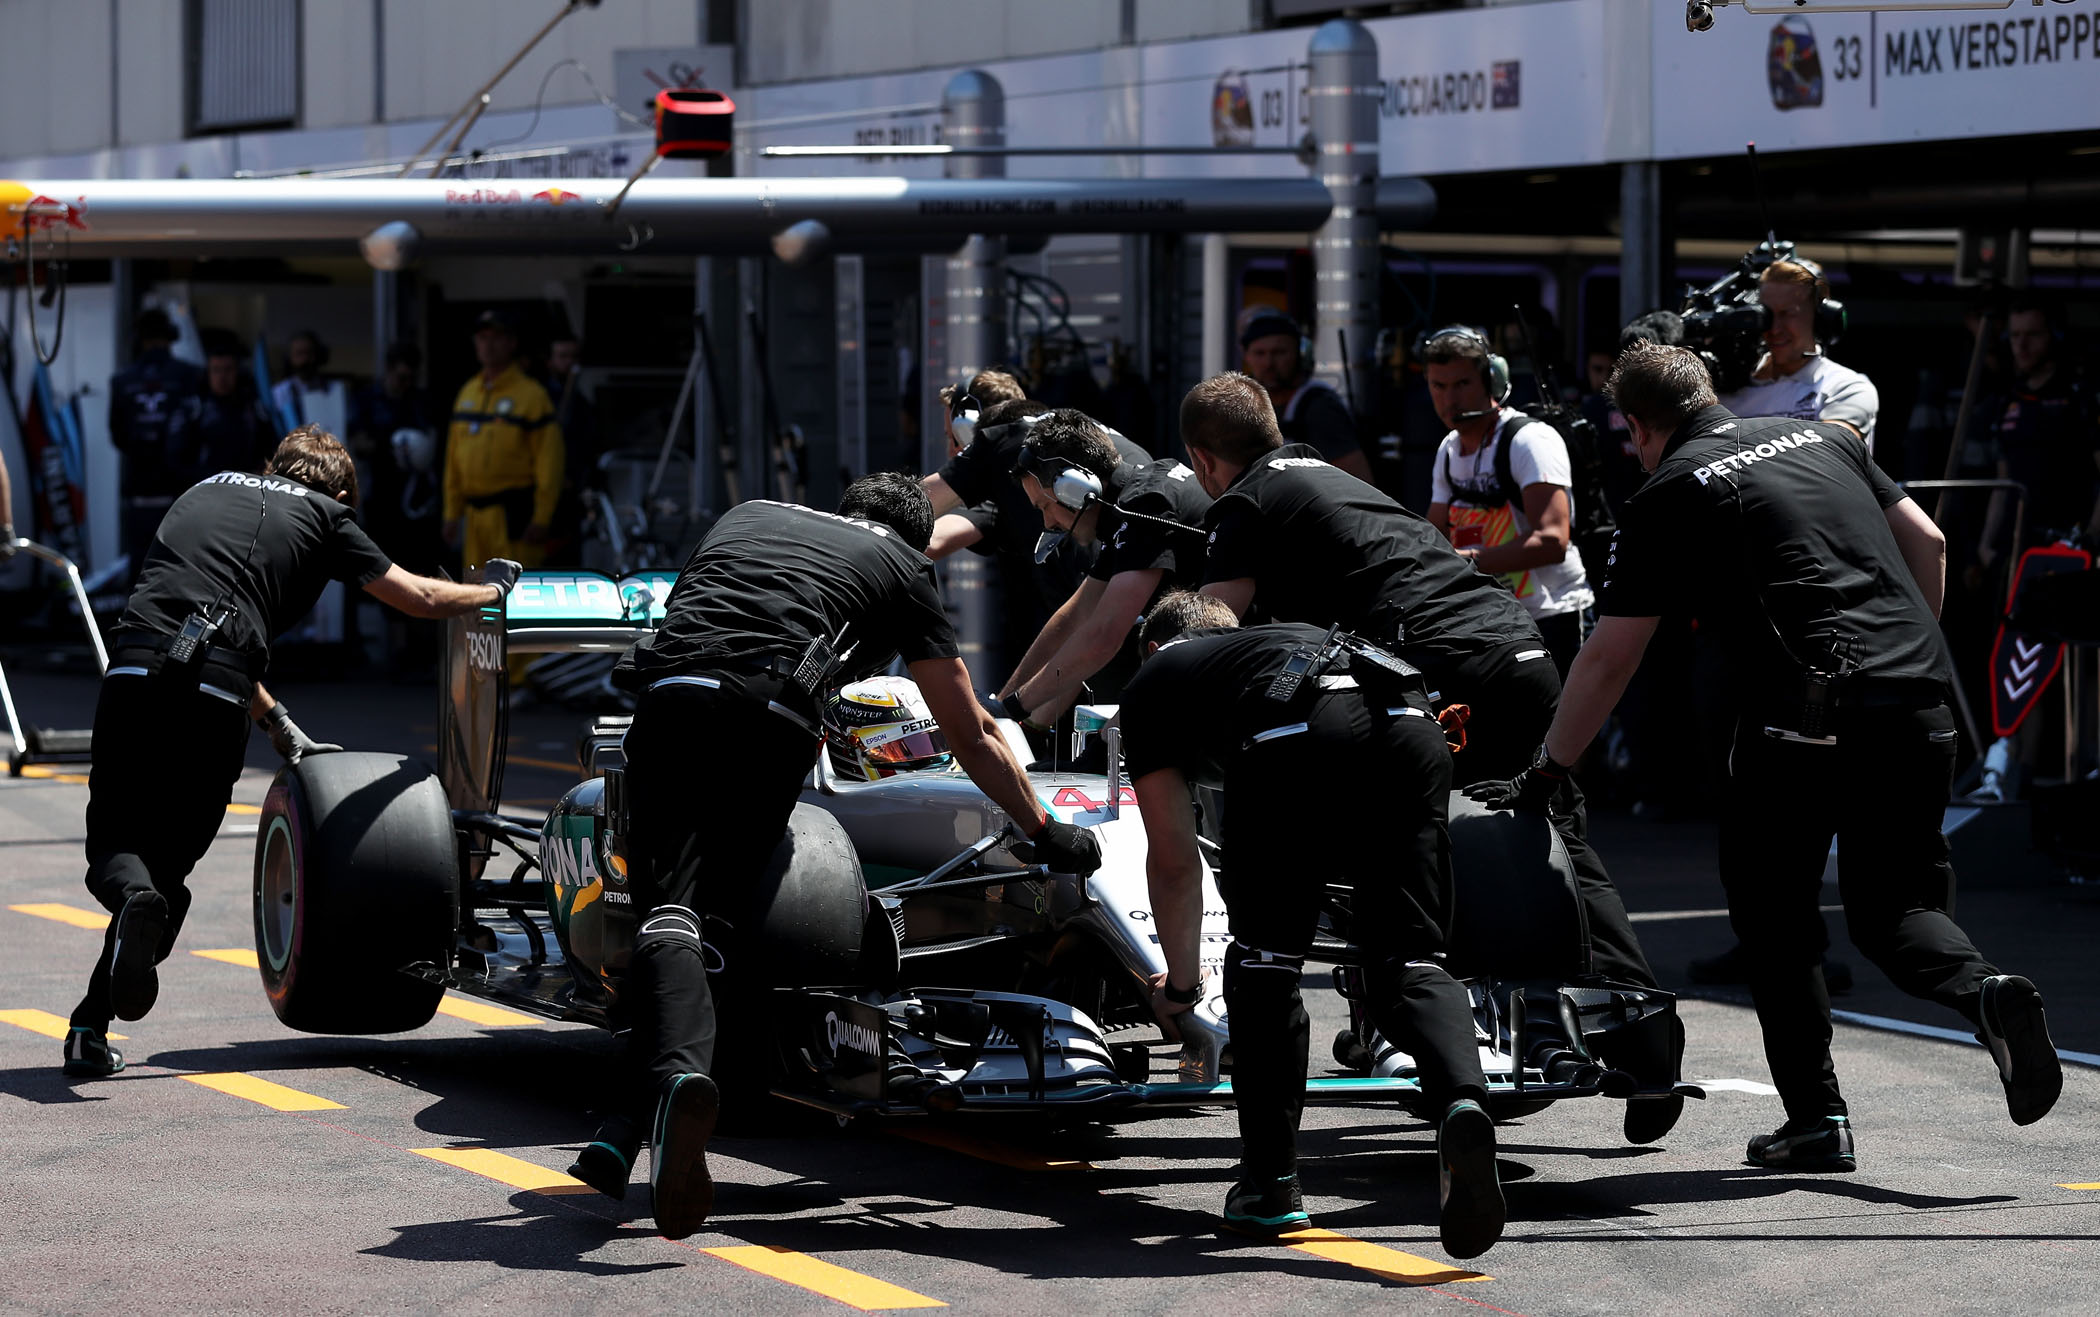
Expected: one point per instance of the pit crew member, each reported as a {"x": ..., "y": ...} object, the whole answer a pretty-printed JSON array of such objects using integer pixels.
[
  {"x": 777, "y": 604},
  {"x": 1826, "y": 582},
  {"x": 238, "y": 559},
  {"x": 1123, "y": 510},
  {"x": 1499, "y": 490},
  {"x": 1362, "y": 759},
  {"x": 1301, "y": 541}
]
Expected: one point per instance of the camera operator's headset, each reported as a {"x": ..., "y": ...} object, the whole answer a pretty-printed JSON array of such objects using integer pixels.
[
  {"x": 1070, "y": 487},
  {"x": 1829, "y": 322},
  {"x": 1494, "y": 375}
]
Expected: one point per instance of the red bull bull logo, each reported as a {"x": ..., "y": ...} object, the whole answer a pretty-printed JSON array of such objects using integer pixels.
[
  {"x": 24, "y": 211},
  {"x": 555, "y": 196}
]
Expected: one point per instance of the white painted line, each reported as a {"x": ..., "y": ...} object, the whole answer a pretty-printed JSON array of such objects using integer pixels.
[
  {"x": 1750, "y": 1086},
  {"x": 1664, "y": 916},
  {"x": 1944, "y": 1035}
]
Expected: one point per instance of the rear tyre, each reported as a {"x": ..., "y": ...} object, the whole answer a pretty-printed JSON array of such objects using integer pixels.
[{"x": 356, "y": 879}]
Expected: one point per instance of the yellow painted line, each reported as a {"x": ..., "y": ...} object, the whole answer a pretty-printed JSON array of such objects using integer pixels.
[
  {"x": 45, "y": 1023},
  {"x": 513, "y": 1171},
  {"x": 999, "y": 1154},
  {"x": 65, "y": 914},
  {"x": 2095, "y": 1185},
  {"x": 555, "y": 764},
  {"x": 241, "y": 956},
  {"x": 34, "y": 770},
  {"x": 243, "y": 809},
  {"x": 1377, "y": 1258},
  {"x": 482, "y": 1013},
  {"x": 848, "y": 1287},
  {"x": 261, "y": 1091}
]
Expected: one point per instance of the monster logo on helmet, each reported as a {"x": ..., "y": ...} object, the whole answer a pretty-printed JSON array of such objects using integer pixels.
[{"x": 880, "y": 727}]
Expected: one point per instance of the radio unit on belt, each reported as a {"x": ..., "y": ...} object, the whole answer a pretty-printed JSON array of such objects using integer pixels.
[
  {"x": 1306, "y": 663},
  {"x": 186, "y": 653},
  {"x": 1821, "y": 691}
]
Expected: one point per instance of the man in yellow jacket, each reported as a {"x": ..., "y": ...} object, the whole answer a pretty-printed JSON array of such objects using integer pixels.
[{"x": 503, "y": 455}]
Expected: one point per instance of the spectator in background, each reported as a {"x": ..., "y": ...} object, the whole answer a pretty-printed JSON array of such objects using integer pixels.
[
  {"x": 503, "y": 455},
  {"x": 393, "y": 433},
  {"x": 227, "y": 427},
  {"x": 580, "y": 445},
  {"x": 2046, "y": 430},
  {"x": 1796, "y": 377},
  {"x": 147, "y": 401},
  {"x": 1308, "y": 410},
  {"x": 305, "y": 396}
]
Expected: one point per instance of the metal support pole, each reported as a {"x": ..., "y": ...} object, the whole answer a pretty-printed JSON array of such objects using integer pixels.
[
  {"x": 973, "y": 114},
  {"x": 1641, "y": 257},
  {"x": 1344, "y": 89},
  {"x": 1217, "y": 306},
  {"x": 386, "y": 317}
]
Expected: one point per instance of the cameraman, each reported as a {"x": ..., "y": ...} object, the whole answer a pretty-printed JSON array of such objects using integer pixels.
[
  {"x": 1795, "y": 378},
  {"x": 1827, "y": 583}
]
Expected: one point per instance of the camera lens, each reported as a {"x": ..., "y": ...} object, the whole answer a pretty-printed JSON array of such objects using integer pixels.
[{"x": 1698, "y": 15}]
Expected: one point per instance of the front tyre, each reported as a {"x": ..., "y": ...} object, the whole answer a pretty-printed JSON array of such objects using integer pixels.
[{"x": 356, "y": 879}]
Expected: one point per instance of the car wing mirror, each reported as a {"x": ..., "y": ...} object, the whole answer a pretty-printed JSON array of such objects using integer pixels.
[{"x": 1103, "y": 720}]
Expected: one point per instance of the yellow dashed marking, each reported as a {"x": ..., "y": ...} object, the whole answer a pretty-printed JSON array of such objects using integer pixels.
[
  {"x": 264, "y": 1093},
  {"x": 1377, "y": 1258},
  {"x": 2094, "y": 1185},
  {"x": 243, "y": 809},
  {"x": 33, "y": 770},
  {"x": 513, "y": 1171},
  {"x": 477, "y": 1012},
  {"x": 241, "y": 956},
  {"x": 65, "y": 914},
  {"x": 45, "y": 1023},
  {"x": 799, "y": 1269}
]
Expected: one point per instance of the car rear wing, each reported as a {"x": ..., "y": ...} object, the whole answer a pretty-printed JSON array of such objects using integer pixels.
[{"x": 549, "y": 612}]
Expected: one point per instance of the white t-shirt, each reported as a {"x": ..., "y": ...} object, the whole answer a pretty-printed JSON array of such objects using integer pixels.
[
  {"x": 1822, "y": 390},
  {"x": 1467, "y": 484}
]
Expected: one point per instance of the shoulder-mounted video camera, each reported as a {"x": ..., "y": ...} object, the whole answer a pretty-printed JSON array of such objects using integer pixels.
[{"x": 1725, "y": 322}]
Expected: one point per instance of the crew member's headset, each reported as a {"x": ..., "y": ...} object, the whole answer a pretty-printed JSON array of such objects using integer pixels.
[
  {"x": 1070, "y": 487},
  {"x": 963, "y": 411},
  {"x": 1494, "y": 375}
]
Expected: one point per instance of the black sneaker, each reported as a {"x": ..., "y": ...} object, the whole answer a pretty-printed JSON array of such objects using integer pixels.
[
  {"x": 133, "y": 984},
  {"x": 1822, "y": 1144},
  {"x": 1266, "y": 1206},
  {"x": 1469, "y": 1190},
  {"x": 607, "y": 1162},
  {"x": 2018, "y": 1036},
  {"x": 683, "y": 1191},
  {"x": 89, "y": 1055}
]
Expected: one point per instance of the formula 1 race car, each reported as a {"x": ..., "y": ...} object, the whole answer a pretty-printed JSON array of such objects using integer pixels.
[{"x": 901, "y": 955}]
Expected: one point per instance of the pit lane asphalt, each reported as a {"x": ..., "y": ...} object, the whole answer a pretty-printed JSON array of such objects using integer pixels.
[{"x": 152, "y": 1190}]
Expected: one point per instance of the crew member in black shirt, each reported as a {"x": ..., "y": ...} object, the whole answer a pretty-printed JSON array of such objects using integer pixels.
[
  {"x": 1826, "y": 582},
  {"x": 1295, "y": 539},
  {"x": 778, "y": 603},
  {"x": 238, "y": 559},
  {"x": 1357, "y": 752},
  {"x": 1145, "y": 522}
]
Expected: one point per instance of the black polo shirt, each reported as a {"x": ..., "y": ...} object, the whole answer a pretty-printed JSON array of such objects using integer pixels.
[
  {"x": 770, "y": 577},
  {"x": 265, "y": 545},
  {"x": 1325, "y": 548},
  {"x": 1195, "y": 703},
  {"x": 1164, "y": 489},
  {"x": 1776, "y": 533}
]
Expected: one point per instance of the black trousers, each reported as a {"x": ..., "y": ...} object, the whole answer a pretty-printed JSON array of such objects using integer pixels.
[
  {"x": 1881, "y": 791},
  {"x": 713, "y": 775},
  {"x": 1513, "y": 693},
  {"x": 149, "y": 823},
  {"x": 1358, "y": 797}
]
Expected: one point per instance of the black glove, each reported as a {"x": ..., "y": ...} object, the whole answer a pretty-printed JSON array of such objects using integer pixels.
[
  {"x": 1529, "y": 791},
  {"x": 7, "y": 543},
  {"x": 1064, "y": 848},
  {"x": 501, "y": 573},
  {"x": 992, "y": 707},
  {"x": 291, "y": 741}
]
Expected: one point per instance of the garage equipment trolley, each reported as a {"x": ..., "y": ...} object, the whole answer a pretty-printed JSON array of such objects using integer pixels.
[{"x": 51, "y": 745}]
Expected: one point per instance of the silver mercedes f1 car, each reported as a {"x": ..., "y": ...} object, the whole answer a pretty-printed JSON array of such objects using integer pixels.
[{"x": 902, "y": 956}]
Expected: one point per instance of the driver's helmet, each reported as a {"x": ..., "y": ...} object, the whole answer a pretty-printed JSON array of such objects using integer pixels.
[{"x": 880, "y": 727}]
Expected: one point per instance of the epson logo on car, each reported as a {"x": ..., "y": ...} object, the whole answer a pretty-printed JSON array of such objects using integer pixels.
[
  {"x": 852, "y": 1037},
  {"x": 484, "y": 651}
]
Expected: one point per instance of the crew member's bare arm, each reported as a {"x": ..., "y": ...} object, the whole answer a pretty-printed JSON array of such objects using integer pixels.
[
  {"x": 1052, "y": 690},
  {"x": 945, "y": 499},
  {"x": 952, "y": 534},
  {"x": 1238, "y": 594},
  {"x": 975, "y": 741},
  {"x": 428, "y": 596},
  {"x": 1596, "y": 680},
  {"x": 1924, "y": 550},
  {"x": 1173, "y": 873},
  {"x": 1076, "y": 608}
]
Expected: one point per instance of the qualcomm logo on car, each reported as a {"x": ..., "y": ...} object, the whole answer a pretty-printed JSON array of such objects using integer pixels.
[{"x": 852, "y": 1037}]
